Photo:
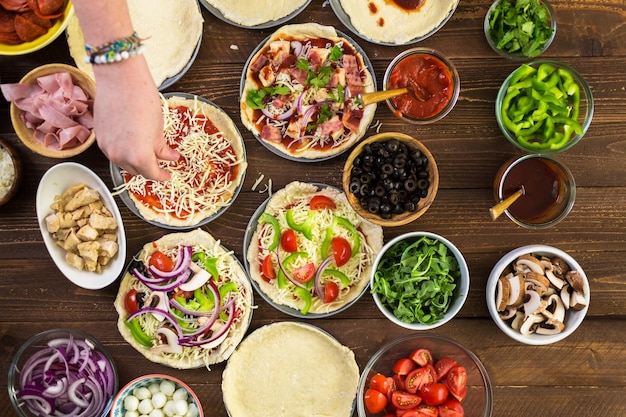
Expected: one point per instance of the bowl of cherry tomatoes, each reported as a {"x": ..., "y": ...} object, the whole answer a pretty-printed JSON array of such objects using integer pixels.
[{"x": 424, "y": 375}]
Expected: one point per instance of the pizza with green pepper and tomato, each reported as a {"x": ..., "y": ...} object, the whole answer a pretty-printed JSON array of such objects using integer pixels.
[
  {"x": 310, "y": 251},
  {"x": 301, "y": 92},
  {"x": 185, "y": 301}
]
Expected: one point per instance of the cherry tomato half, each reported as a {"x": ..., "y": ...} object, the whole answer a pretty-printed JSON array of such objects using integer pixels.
[
  {"x": 457, "y": 382},
  {"x": 321, "y": 202},
  {"x": 342, "y": 251},
  {"x": 381, "y": 383},
  {"x": 288, "y": 241},
  {"x": 130, "y": 301},
  {"x": 451, "y": 408},
  {"x": 443, "y": 366},
  {"x": 419, "y": 377},
  {"x": 422, "y": 357},
  {"x": 403, "y": 366},
  {"x": 434, "y": 394},
  {"x": 331, "y": 292},
  {"x": 305, "y": 273},
  {"x": 405, "y": 400},
  {"x": 269, "y": 273},
  {"x": 161, "y": 261},
  {"x": 375, "y": 401},
  {"x": 426, "y": 410}
]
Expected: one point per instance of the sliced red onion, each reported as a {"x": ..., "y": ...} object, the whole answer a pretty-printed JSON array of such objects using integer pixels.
[
  {"x": 216, "y": 335},
  {"x": 319, "y": 290},
  {"x": 288, "y": 275},
  {"x": 214, "y": 314},
  {"x": 297, "y": 48},
  {"x": 153, "y": 310},
  {"x": 182, "y": 264},
  {"x": 68, "y": 378},
  {"x": 162, "y": 287}
]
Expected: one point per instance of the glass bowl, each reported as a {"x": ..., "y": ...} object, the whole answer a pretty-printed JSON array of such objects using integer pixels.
[
  {"x": 537, "y": 329},
  {"x": 429, "y": 99},
  {"x": 478, "y": 401},
  {"x": 536, "y": 93},
  {"x": 460, "y": 275},
  {"x": 494, "y": 18},
  {"x": 538, "y": 207},
  {"x": 61, "y": 343},
  {"x": 147, "y": 389}
]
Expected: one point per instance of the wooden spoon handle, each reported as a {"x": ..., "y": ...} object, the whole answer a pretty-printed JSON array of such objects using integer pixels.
[
  {"x": 499, "y": 208},
  {"x": 376, "y": 96}
]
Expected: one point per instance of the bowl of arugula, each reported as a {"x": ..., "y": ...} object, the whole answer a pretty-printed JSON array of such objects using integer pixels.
[
  {"x": 420, "y": 280},
  {"x": 520, "y": 29}
]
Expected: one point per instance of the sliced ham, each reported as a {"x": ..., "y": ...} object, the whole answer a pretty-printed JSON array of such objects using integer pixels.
[
  {"x": 353, "y": 75},
  {"x": 57, "y": 109},
  {"x": 351, "y": 119},
  {"x": 271, "y": 134}
]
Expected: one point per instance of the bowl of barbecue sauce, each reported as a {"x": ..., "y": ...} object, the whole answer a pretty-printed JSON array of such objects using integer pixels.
[{"x": 549, "y": 190}]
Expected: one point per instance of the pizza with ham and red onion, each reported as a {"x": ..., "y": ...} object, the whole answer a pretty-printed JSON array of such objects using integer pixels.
[
  {"x": 301, "y": 92},
  {"x": 206, "y": 177}
]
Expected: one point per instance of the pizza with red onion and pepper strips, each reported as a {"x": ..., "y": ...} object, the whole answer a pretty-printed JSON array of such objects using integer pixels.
[
  {"x": 185, "y": 301},
  {"x": 301, "y": 92}
]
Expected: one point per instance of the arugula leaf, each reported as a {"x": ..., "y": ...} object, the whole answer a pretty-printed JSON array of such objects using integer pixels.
[
  {"x": 416, "y": 280},
  {"x": 520, "y": 26}
]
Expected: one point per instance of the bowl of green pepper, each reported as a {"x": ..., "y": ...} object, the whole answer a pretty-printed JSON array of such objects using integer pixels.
[
  {"x": 419, "y": 280},
  {"x": 544, "y": 107}
]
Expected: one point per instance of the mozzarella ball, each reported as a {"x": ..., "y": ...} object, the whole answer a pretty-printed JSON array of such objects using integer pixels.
[
  {"x": 168, "y": 408},
  {"x": 180, "y": 407},
  {"x": 156, "y": 413},
  {"x": 142, "y": 393},
  {"x": 145, "y": 406},
  {"x": 167, "y": 387},
  {"x": 154, "y": 388},
  {"x": 131, "y": 403},
  {"x": 180, "y": 394},
  {"x": 192, "y": 411},
  {"x": 131, "y": 414},
  {"x": 158, "y": 399}
]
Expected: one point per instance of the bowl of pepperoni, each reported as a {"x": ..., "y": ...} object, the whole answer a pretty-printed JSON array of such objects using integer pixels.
[{"x": 424, "y": 375}]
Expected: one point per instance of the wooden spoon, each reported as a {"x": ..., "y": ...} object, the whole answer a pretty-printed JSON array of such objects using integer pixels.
[
  {"x": 376, "y": 96},
  {"x": 499, "y": 208}
]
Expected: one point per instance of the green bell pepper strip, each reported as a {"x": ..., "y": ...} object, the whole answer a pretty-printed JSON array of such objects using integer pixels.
[
  {"x": 548, "y": 129},
  {"x": 506, "y": 103},
  {"x": 190, "y": 304},
  {"x": 338, "y": 274},
  {"x": 206, "y": 303},
  {"x": 546, "y": 85},
  {"x": 523, "y": 71},
  {"x": 328, "y": 238},
  {"x": 523, "y": 106},
  {"x": 304, "y": 295},
  {"x": 210, "y": 263},
  {"x": 544, "y": 71},
  {"x": 271, "y": 220},
  {"x": 524, "y": 140},
  {"x": 137, "y": 333},
  {"x": 306, "y": 227},
  {"x": 280, "y": 276},
  {"x": 356, "y": 238},
  {"x": 530, "y": 130}
]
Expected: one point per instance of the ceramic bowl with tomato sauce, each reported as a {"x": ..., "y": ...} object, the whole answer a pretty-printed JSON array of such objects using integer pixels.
[
  {"x": 432, "y": 82},
  {"x": 424, "y": 374}
]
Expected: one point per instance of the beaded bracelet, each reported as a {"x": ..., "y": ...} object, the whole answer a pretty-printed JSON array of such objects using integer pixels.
[{"x": 115, "y": 51}]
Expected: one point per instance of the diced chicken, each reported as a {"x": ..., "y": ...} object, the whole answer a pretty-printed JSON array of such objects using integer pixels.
[
  {"x": 96, "y": 206},
  {"x": 279, "y": 50},
  {"x": 75, "y": 260},
  {"x": 88, "y": 250},
  {"x": 62, "y": 234},
  {"x": 100, "y": 222},
  {"x": 52, "y": 223},
  {"x": 71, "y": 242},
  {"x": 81, "y": 198},
  {"x": 267, "y": 76},
  {"x": 107, "y": 248},
  {"x": 317, "y": 56},
  {"x": 109, "y": 236},
  {"x": 293, "y": 129},
  {"x": 87, "y": 233}
]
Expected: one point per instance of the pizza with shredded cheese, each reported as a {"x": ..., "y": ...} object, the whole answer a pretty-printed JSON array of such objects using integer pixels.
[
  {"x": 301, "y": 92},
  {"x": 310, "y": 251},
  {"x": 206, "y": 177}
]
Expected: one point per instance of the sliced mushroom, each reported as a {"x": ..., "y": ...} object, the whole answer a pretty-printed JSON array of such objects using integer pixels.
[
  {"x": 577, "y": 301},
  {"x": 517, "y": 321},
  {"x": 502, "y": 293},
  {"x": 531, "y": 303},
  {"x": 540, "y": 282},
  {"x": 554, "y": 308},
  {"x": 550, "y": 327},
  {"x": 158, "y": 299},
  {"x": 508, "y": 313},
  {"x": 560, "y": 266},
  {"x": 554, "y": 280},
  {"x": 565, "y": 295},
  {"x": 530, "y": 323},
  {"x": 170, "y": 345},
  {"x": 531, "y": 263},
  {"x": 575, "y": 280},
  {"x": 199, "y": 278},
  {"x": 516, "y": 290}
]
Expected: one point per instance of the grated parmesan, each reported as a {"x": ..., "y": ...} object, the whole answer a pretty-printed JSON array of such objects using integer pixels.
[{"x": 7, "y": 172}]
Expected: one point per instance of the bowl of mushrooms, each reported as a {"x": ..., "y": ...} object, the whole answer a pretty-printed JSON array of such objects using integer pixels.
[{"x": 537, "y": 294}]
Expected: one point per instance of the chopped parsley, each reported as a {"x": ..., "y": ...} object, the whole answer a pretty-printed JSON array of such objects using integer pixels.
[
  {"x": 520, "y": 26},
  {"x": 255, "y": 97}
]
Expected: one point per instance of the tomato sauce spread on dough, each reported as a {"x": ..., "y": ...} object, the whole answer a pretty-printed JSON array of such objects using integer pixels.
[
  {"x": 207, "y": 165},
  {"x": 430, "y": 86}
]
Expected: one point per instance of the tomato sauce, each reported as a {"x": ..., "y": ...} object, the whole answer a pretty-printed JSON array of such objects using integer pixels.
[
  {"x": 430, "y": 84},
  {"x": 408, "y": 4}
]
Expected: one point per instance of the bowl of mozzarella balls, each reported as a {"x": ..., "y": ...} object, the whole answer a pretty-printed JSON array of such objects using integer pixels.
[{"x": 156, "y": 395}]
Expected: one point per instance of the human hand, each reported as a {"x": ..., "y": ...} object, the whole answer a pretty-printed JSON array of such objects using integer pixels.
[{"x": 129, "y": 119}]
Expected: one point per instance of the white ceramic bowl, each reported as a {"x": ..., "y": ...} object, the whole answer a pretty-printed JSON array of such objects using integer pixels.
[
  {"x": 146, "y": 381},
  {"x": 54, "y": 182},
  {"x": 573, "y": 318},
  {"x": 462, "y": 281}
]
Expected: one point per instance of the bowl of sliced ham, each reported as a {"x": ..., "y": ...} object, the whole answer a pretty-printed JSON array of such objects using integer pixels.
[{"x": 52, "y": 110}]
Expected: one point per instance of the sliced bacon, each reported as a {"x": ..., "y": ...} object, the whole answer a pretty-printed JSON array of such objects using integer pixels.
[
  {"x": 332, "y": 127},
  {"x": 298, "y": 74},
  {"x": 338, "y": 77},
  {"x": 351, "y": 119},
  {"x": 258, "y": 63},
  {"x": 353, "y": 75},
  {"x": 271, "y": 134},
  {"x": 59, "y": 112}
]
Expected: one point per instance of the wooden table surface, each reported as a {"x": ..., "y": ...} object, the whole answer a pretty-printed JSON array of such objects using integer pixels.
[{"x": 583, "y": 375}]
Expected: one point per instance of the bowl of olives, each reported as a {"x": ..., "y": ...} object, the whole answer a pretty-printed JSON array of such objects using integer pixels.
[{"x": 390, "y": 179}]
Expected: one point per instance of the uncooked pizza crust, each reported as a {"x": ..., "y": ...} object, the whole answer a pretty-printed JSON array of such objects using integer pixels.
[
  {"x": 290, "y": 369},
  {"x": 385, "y": 21},
  {"x": 171, "y": 29},
  {"x": 231, "y": 134},
  {"x": 257, "y": 12}
]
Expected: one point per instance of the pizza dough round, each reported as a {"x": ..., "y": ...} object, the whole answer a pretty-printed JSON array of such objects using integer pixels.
[
  {"x": 384, "y": 21},
  {"x": 208, "y": 203},
  {"x": 290, "y": 369},
  {"x": 171, "y": 30},
  {"x": 192, "y": 357},
  {"x": 296, "y": 196},
  {"x": 347, "y": 119},
  {"x": 257, "y": 12}
]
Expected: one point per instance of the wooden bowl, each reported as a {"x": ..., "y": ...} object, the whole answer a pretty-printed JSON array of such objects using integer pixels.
[
  {"x": 401, "y": 218},
  {"x": 26, "y": 134},
  {"x": 6, "y": 149}
]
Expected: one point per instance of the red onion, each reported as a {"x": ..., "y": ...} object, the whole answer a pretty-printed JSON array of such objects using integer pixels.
[
  {"x": 182, "y": 264},
  {"x": 68, "y": 378},
  {"x": 161, "y": 287},
  {"x": 319, "y": 290},
  {"x": 216, "y": 335},
  {"x": 288, "y": 275}
]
